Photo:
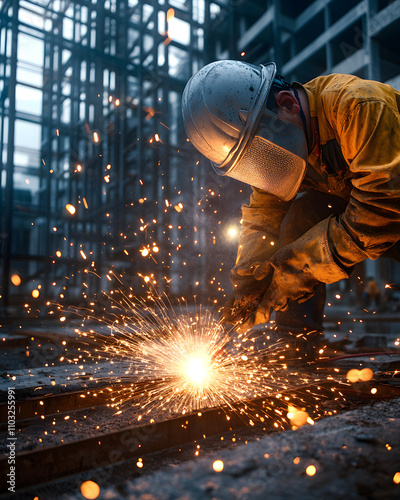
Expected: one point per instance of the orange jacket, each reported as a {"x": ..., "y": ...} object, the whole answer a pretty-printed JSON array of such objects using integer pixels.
[{"x": 359, "y": 160}]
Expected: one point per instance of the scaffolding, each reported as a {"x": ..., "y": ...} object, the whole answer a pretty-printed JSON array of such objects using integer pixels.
[{"x": 97, "y": 174}]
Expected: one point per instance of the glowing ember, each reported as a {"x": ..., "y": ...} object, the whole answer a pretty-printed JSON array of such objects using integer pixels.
[
  {"x": 90, "y": 490},
  {"x": 15, "y": 280},
  {"x": 70, "y": 208},
  {"x": 366, "y": 374},
  {"x": 396, "y": 478},
  {"x": 352, "y": 375},
  {"x": 179, "y": 207},
  {"x": 218, "y": 465},
  {"x": 311, "y": 470},
  {"x": 35, "y": 294},
  {"x": 363, "y": 375},
  {"x": 298, "y": 417}
]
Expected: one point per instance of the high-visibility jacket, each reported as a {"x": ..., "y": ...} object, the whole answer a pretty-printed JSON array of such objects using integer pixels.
[{"x": 358, "y": 159}]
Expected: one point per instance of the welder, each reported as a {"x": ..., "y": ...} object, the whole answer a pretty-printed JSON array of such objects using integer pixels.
[{"x": 323, "y": 160}]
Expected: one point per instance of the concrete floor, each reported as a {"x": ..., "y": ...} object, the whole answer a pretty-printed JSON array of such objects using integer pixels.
[{"x": 356, "y": 456}]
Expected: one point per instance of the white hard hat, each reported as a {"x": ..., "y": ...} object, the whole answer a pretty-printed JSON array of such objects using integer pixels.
[{"x": 226, "y": 119}]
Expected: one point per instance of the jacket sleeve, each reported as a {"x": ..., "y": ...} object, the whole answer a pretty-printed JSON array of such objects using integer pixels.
[
  {"x": 370, "y": 225},
  {"x": 369, "y": 136},
  {"x": 258, "y": 241}
]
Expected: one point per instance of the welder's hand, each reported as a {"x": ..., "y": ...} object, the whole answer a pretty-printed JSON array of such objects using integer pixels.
[
  {"x": 245, "y": 306},
  {"x": 291, "y": 280}
]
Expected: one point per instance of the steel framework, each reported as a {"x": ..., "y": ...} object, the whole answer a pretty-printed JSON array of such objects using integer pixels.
[{"x": 97, "y": 174}]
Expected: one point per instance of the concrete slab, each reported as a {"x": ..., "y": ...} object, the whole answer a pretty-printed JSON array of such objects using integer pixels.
[{"x": 354, "y": 456}]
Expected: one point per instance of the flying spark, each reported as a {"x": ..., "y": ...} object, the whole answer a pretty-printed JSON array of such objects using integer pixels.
[{"x": 181, "y": 359}]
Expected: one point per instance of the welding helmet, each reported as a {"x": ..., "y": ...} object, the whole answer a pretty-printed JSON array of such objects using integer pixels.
[{"x": 226, "y": 119}]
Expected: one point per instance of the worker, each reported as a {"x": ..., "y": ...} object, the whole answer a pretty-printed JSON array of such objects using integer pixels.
[
  {"x": 323, "y": 160},
  {"x": 371, "y": 293}
]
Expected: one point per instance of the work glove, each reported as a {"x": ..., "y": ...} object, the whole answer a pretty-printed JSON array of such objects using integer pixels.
[
  {"x": 299, "y": 267},
  {"x": 266, "y": 285},
  {"x": 291, "y": 279},
  {"x": 291, "y": 274}
]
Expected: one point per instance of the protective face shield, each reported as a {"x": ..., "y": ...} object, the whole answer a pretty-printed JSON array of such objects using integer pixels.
[
  {"x": 225, "y": 115},
  {"x": 274, "y": 158}
]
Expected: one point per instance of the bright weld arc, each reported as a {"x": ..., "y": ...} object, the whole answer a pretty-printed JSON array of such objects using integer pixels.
[{"x": 190, "y": 360}]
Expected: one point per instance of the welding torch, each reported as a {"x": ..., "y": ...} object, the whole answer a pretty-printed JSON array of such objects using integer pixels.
[
  {"x": 245, "y": 303},
  {"x": 248, "y": 299}
]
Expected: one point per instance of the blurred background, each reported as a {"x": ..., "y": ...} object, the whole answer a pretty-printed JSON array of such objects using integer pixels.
[{"x": 97, "y": 174}]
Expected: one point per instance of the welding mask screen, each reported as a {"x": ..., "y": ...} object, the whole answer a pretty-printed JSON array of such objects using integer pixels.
[{"x": 275, "y": 159}]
